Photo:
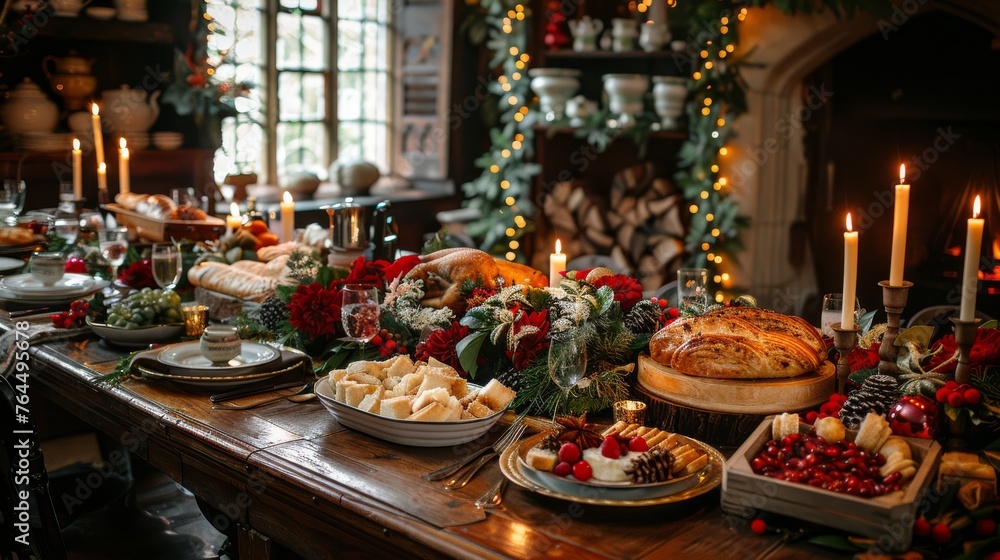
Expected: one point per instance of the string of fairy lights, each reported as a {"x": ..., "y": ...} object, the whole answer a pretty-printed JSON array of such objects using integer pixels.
[{"x": 502, "y": 192}]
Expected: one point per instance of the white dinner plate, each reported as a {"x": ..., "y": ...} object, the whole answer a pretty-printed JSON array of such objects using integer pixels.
[
  {"x": 137, "y": 338},
  {"x": 70, "y": 284},
  {"x": 406, "y": 432},
  {"x": 206, "y": 381},
  {"x": 187, "y": 356},
  {"x": 7, "y": 264},
  {"x": 51, "y": 299}
]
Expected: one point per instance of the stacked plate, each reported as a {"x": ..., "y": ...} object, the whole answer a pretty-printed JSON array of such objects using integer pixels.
[
  {"x": 47, "y": 142},
  {"x": 168, "y": 140},
  {"x": 28, "y": 289},
  {"x": 183, "y": 363},
  {"x": 137, "y": 140}
]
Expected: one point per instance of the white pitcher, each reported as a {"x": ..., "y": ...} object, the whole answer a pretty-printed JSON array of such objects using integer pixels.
[
  {"x": 623, "y": 34},
  {"x": 585, "y": 31}
]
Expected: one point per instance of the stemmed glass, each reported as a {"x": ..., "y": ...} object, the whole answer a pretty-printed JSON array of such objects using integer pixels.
[
  {"x": 359, "y": 313},
  {"x": 114, "y": 246},
  {"x": 11, "y": 201},
  {"x": 167, "y": 265},
  {"x": 567, "y": 362}
]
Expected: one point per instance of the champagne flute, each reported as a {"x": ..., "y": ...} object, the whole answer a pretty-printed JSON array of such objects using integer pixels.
[
  {"x": 167, "y": 265},
  {"x": 113, "y": 243},
  {"x": 11, "y": 201},
  {"x": 359, "y": 313},
  {"x": 567, "y": 362}
]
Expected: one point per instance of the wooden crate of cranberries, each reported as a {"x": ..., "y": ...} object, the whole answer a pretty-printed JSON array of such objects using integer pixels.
[{"x": 886, "y": 518}]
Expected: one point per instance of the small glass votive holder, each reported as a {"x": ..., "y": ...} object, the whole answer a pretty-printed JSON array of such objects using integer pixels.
[
  {"x": 632, "y": 412},
  {"x": 195, "y": 319}
]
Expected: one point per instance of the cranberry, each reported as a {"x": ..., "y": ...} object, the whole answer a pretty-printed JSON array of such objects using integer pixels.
[
  {"x": 941, "y": 533},
  {"x": 921, "y": 527},
  {"x": 563, "y": 469},
  {"x": 772, "y": 450},
  {"x": 758, "y": 526},
  {"x": 986, "y": 526}
]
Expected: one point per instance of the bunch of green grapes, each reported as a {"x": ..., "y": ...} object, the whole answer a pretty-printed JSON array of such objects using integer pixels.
[{"x": 146, "y": 307}]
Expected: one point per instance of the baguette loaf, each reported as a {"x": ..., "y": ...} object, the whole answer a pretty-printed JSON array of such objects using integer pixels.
[
  {"x": 231, "y": 281},
  {"x": 739, "y": 343}
]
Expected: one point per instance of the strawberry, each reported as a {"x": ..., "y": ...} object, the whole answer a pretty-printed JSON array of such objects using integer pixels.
[
  {"x": 563, "y": 469},
  {"x": 569, "y": 453},
  {"x": 610, "y": 448},
  {"x": 638, "y": 444},
  {"x": 582, "y": 471}
]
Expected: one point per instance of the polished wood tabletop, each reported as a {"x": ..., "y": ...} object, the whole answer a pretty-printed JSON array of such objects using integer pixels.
[{"x": 288, "y": 477}]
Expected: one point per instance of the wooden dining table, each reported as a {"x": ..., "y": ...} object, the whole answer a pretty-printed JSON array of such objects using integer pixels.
[{"x": 289, "y": 478}]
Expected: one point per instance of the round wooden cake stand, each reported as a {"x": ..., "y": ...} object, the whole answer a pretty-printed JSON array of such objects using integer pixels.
[{"x": 724, "y": 412}]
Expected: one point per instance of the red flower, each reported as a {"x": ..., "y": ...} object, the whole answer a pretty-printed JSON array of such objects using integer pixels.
[
  {"x": 364, "y": 272},
  {"x": 986, "y": 350},
  {"x": 400, "y": 267},
  {"x": 138, "y": 275},
  {"x": 860, "y": 358},
  {"x": 530, "y": 345},
  {"x": 76, "y": 265},
  {"x": 628, "y": 291},
  {"x": 196, "y": 80},
  {"x": 477, "y": 296},
  {"x": 315, "y": 310},
  {"x": 441, "y": 345}
]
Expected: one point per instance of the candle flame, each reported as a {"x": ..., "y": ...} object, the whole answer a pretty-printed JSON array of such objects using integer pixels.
[
  {"x": 234, "y": 209},
  {"x": 95, "y": 109},
  {"x": 287, "y": 197},
  {"x": 121, "y": 143},
  {"x": 558, "y": 246},
  {"x": 976, "y": 207},
  {"x": 902, "y": 173},
  {"x": 76, "y": 143},
  {"x": 102, "y": 167},
  {"x": 849, "y": 223}
]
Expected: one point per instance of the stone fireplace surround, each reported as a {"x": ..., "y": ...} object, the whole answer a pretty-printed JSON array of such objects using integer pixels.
[{"x": 766, "y": 164}]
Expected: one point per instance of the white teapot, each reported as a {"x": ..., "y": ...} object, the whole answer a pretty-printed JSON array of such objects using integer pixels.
[
  {"x": 130, "y": 110},
  {"x": 585, "y": 31},
  {"x": 29, "y": 111}
]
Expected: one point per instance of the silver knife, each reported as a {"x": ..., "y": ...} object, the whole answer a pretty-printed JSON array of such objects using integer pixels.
[{"x": 249, "y": 392}]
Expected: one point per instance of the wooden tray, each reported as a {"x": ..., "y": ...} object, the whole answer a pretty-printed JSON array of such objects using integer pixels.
[
  {"x": 738, "y": 396},
  {"x": 163, "y": 230},
  {"x": 888, "y": 519}
]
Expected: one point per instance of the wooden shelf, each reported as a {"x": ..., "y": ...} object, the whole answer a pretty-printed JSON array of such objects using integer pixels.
[{"x": 113, "y": 30}]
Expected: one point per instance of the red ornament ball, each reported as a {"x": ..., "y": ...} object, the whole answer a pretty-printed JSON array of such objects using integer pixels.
[
  {"x": 914, "y": 416},
  {"x": 758, "y": 526}
]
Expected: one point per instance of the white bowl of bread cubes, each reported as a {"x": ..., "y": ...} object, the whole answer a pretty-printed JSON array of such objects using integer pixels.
[{"x": 419, "y": 404}]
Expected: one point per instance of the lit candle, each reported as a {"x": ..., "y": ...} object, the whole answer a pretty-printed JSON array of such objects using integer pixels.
[
  {"x": 287, "y": 217},
  {"x": 850, "y": 276},
  {"x": 98, "y": 134},
  {"x": 970, "y": 273},
  {"x": 77, "y": 170},
  {"x": 234, "y": 220},
  {"x": 557, "y": 265},
  {"x": 899, "y": 219},
  {"x": 123, "y": 176},
  {"x": 102, "y": 176}
]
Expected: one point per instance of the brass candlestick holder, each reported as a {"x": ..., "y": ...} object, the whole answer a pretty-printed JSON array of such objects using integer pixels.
[
  {"x": 894, "y": 300},
  {"x": 965, "y": 337},
  {"x": 844, "y": 340}
]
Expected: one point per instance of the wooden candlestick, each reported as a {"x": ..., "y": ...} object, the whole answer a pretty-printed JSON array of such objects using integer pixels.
[
  {"x": 965, "y": 337},
  {"x": 894, "y": 300},
  {"x": 844, "y": 340}
]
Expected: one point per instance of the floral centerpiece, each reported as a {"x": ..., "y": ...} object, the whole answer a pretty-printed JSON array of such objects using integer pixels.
[{"x": 503, "y": 332}]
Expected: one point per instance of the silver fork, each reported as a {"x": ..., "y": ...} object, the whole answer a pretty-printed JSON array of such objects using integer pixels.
[
  {"x": 461, "y": 480},
  {"x": 497, "y": 447}
]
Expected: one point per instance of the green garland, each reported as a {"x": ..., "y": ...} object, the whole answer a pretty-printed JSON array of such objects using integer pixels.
[{"x": 717, "y": 97}]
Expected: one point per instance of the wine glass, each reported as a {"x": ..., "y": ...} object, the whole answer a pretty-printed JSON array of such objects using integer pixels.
[
  {"x": 359, "y": 313},
  {"x": 113, "y": 243},
  {"x": 65, "y": 226},
  {"x": 11, "y": 201},
  {"x": 567, "y": 361},
  {"x": 167, "y": 265}
]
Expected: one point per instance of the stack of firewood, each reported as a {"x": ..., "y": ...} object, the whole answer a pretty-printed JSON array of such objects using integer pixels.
[{"x": 638, "y": 223}]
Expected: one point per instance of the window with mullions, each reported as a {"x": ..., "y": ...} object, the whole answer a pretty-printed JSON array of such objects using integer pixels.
[{"x": 305, "y": 111}]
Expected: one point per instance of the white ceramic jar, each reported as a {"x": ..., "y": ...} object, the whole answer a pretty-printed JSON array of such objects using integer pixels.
[
  {"x": 29, "y": 111},
  {"x": 220, "y": 343}
]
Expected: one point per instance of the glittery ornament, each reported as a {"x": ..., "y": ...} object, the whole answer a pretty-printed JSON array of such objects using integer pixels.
[{"x": 914, "y": 416}]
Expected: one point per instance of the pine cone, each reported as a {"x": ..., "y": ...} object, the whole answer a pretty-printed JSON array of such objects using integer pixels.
[
  {"x": 550, "y": 442},
  {"x": 511, "y": 378},
  {"x": 272, "y": 312},
  {"x": 644, "y": 317},
  {"x": 652, "y": 466},
  {"x": 876, "y": 394}
]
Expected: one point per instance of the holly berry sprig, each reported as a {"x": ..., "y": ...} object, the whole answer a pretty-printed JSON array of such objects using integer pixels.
[
  {"x": 387, "y": 344},
  {"x": 72, "y": 319},
  {"x": 830, "y": 408}
]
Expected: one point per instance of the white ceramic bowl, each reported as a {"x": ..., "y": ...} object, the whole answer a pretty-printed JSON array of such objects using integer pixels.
[
  {"x": 168, "y": 141},
  {"x": 405, "y": 432}
]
